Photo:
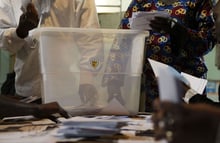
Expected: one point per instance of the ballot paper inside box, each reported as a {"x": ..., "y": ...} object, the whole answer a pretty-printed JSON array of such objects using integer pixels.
[{"x": 91, "y": 71}]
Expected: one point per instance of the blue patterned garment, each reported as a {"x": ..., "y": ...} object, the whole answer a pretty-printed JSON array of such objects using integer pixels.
[{"x": 193, "y": 15}]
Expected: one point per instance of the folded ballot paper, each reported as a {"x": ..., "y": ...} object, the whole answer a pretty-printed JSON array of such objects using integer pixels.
[
  {"x": 141, "y": 20},
  {"x": 171, "y": 81}
]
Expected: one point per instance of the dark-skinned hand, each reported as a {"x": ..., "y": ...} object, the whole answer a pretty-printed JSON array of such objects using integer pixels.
[
  {"x": 166, "y": 25},
  {"x": 161, "y": 24},
  {"x": 48, "y": 109},
  {"x": 28, "y": 21},
  {"x": 10, "y": 107},
  {"x": 185, "y": 123}
]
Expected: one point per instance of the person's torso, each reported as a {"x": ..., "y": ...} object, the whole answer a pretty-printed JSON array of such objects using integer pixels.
[
  {"x": 159, "y": 46},
  {"x": 53, "y": 13}
]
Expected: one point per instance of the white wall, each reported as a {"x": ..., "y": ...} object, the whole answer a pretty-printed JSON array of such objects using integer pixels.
[
  {"x": 111, "y": 11},
  {"x": 108, "y": 6},
  {"x": 4, "y": 65}
]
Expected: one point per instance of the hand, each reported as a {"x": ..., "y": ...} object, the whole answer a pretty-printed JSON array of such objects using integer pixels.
[
  {"x": 181, "y": 123},
  {"x": 46, "y": 110},
  {"x": 162, "y": 24},
  {"x": 28, "y": 21},
  {"x": 166, "y": 25},
  {"x": 88, "y": 94}
]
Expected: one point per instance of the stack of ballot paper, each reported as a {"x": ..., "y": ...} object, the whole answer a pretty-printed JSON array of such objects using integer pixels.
[
  {"x": 90, "y": 127},
  {"x": 106, "y": 129},
  {"x": 141, "y": 20},
  {"x": 171, "y": 81}
]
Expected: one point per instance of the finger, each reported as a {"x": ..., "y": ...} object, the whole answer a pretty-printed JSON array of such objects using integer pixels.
[
  {"x": 160, "y": 21},
  {"x": 154, "y": 27},
  {"x": 64, "y": 113},
  {"x": 54, "y": 119},
  {"x": 23, "y": 17},
  {"x": 159, "y": 28},
  {"x": 31, "y": 8},
  {"x": 54, "y": 107},
  {"x": 31, "y": 13},
  {"x": 160, "y": 24}
]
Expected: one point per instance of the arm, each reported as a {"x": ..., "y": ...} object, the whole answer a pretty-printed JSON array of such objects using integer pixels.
[
  {"x": 197, "y": 34},
  {"x": 8, "y": 37},
  {"x": 10, "y": 107},
  {"x": 12, "y": 34},
  {"x": 186, "y": 122},
  {"x": 196, "y": 38}
]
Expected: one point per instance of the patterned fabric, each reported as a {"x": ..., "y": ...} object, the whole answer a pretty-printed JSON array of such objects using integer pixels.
[
  {"x": 116, "y": 66},
  {"x": 196, "y": 17}
]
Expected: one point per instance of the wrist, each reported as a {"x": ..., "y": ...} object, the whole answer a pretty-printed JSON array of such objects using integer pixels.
[
  {"x": 35, "y": 110},
  {"x": 24, "y": 109},
  {"x": 30, "y": 109},
  {"x": 20, "y": 33}
]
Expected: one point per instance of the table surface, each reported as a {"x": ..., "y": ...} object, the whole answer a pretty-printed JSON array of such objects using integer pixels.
[{"x": 29, "y": 130}]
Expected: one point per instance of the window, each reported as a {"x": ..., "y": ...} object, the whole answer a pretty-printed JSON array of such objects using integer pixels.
[{"x": 110, "y": 12}]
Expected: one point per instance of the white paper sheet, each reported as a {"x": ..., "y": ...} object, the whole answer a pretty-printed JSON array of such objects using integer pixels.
[
  {"x": 156, "y": 66},
  {"x": 169, "y": 86},
  {"x": 115, "y": 108},
  {"x": 197, "y": 84},
  {"x": 141, "y": 20},
  {"x": 170, "y": 81}
]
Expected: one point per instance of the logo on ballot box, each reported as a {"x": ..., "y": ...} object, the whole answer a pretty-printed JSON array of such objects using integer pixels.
[{"x": 95, "y": 63}]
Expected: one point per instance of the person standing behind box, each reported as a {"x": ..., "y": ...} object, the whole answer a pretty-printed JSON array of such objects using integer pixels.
[
  {"x": 181, "y": 40},
  {"x": 12, "y": 108},
  {"x": 191, "y": 123},
  {"x": 18, "y": 17}
]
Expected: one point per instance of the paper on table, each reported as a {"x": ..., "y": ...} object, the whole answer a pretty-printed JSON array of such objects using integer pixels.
[
  {"x": 141, "y": 20},
  {"x": 84, "y": 122},
  {"x": 32, "y": 131},
  {"x": 115, "y": 108},
  {"x": 90, "y": 127},
  {"x": 92, "y": 131}
]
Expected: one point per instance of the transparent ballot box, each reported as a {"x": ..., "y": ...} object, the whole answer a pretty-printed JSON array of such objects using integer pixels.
[{"x": 91, "y": 71}]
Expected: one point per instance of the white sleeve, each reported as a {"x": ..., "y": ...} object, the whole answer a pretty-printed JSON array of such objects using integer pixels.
[
  {"x": 89, "y": 17},
  {"x": 8, "y": 37}
]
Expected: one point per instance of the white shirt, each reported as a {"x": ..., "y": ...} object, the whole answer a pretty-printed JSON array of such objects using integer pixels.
[{"x": 53, "y": 13}]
